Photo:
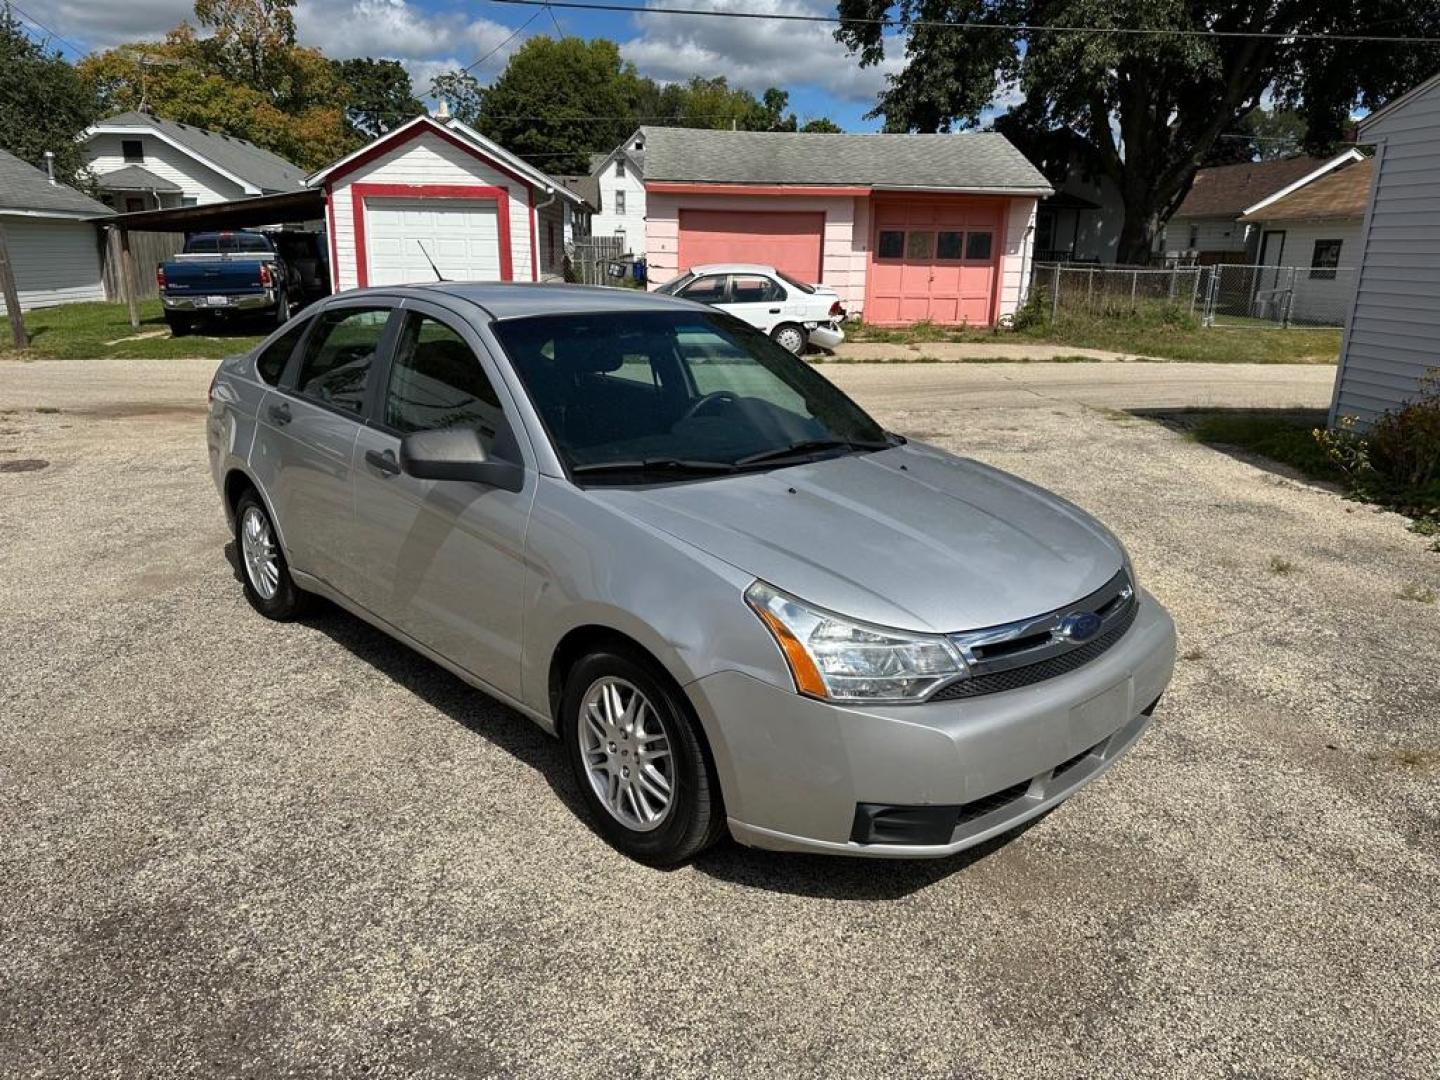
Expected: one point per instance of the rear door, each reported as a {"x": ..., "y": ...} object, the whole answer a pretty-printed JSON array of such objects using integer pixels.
[
  {"x": 758, "y": 300},
  {"x": 306, "y": 434},
  {"x": 443, "y": 560}
]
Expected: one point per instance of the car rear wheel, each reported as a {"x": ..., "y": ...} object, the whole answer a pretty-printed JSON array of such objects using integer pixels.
[
  {"x": 789, "y": 337},
  {"x": 639, "y": 760},
  {"x": 282, "y": 309},
  {"x": 264, "y": 572}
]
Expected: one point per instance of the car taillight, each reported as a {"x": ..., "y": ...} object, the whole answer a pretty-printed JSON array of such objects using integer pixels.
[
  {"x": 160, "y": 275},
  {"x": 836, "y": 311},
  {"x": 265, "y": 279}
]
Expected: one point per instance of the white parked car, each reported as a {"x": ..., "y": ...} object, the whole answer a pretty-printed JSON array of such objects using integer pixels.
[{"x": 793, "y": 313}]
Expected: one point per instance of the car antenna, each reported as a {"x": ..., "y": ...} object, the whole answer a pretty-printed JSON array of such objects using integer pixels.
[{"x": 438, "y": 276}]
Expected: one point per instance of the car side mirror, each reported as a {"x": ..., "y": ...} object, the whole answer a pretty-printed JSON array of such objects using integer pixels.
[{"x": 457, "y": 454}]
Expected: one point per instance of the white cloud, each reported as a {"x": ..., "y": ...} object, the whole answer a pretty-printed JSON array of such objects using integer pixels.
[{"x": 757, "y": 53}]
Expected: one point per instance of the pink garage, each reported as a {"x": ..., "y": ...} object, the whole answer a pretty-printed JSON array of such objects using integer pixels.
[
  {"x": 905, "y": 227},
  {"x": 435, "y": 190}
]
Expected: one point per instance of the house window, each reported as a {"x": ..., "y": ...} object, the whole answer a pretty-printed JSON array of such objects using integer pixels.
[
  {"x": 132, "y": 150},
  {"x": 620, "y": 202},
  {"x": 1325, "y": 259},
  {"x": 1194, "y": 244},
  {"x": 620, "y": 168},
  {"x": 892, "y": 244},
  {"x": 134, "y": 204},
  {"x": 189, "y": 200},
  {"x": 977, "y": 246}
]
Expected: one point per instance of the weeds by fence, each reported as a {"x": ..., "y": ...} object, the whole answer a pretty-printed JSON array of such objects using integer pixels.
[{"x": 1220, "y": 295}]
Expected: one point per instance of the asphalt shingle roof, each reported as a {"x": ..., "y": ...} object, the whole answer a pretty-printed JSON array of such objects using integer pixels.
[
  {"x": 587, "y": 187},
  {"x": 260, "y": 168},
  {"x": 1343, "y": 193},
  {"x": 1227, "y": 190},
  {"x": 134, "y": 178},
  {"x": 24, "y": 187},
  {"x": 973, "y": 161}
]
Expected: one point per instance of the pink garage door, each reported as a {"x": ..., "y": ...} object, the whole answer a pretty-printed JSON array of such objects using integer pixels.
[
  {"x": 787, "y": 241},
  {"x": 934, "y": 260}
]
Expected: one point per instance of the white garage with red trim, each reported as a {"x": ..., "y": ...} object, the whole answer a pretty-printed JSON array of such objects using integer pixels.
[{"x": 437, "y": 191}]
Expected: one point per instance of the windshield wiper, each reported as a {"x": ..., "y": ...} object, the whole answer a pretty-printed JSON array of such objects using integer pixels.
[
  {"x": 807, "y": 447},
  {"x": 679, "y": 466}
]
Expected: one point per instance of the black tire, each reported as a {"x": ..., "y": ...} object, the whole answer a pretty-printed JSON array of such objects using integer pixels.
[
  {"x": 790, "y": 332},
  {"x": 696, "y": 818},
  {"x": 179, "y": 324},
  {"x": 282, "y": 309},
  {"x": 288, "y": 600}
]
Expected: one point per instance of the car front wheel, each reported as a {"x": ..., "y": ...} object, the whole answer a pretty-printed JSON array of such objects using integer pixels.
[
  {"x": 789, "y": 337},
  {"x": 639, "y": 760}
]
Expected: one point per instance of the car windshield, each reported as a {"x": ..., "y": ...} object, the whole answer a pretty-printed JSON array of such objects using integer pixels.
[
  {"x": 678, "y": 393},
  {"x": 674, "y": 285},
  {"x": 791, "y": 281}
]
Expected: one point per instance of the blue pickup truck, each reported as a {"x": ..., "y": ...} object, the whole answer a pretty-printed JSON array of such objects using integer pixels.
[{"x": 242, "y": 273}]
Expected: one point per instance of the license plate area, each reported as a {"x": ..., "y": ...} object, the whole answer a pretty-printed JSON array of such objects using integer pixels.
[
  {"x": 217, "y": 301},
  {"x": 1094, "y": 719}
]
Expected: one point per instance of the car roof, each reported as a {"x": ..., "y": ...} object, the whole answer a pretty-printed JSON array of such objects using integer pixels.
[
  {"x": 508, "y": 300},
  {"x": 734, "y": 268}
]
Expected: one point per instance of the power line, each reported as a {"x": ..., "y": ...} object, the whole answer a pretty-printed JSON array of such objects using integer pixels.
[
  {"x": 37, "y": 23},
  {"x": 941, "y": 24},
  {"x": 507, "y": 41}
]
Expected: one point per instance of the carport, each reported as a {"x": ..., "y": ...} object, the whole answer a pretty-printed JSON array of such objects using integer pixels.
[{"x": 286, "y": 208}]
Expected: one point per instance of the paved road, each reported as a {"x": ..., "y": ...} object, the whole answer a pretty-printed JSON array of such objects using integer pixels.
[{"x": 233, "y": 848}]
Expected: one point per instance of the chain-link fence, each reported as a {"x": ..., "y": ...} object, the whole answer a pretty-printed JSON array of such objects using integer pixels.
[{"x": 1221, "y": 295}]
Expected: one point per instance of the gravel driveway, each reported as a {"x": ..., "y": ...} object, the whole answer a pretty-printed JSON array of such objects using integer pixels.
[{"x": 234, "y": 848}]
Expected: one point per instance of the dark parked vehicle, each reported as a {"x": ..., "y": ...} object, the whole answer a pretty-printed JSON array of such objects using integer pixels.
[{"x": 242, "y": 273}]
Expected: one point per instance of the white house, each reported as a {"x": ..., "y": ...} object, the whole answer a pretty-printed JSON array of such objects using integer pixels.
[
  {"x": 1207, "y": 224},
  {"x": 142, "y": 162},
  {"x": 620, "y": 176},
  {"x": 435, "y": 190},
  {"x": 1392, "y": 337},
  {"x": 54, "y": 245},
  {"x": 1312, "y": 236}
]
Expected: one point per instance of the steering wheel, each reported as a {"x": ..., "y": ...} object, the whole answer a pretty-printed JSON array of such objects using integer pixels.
[{"x": 715, "y": 397}]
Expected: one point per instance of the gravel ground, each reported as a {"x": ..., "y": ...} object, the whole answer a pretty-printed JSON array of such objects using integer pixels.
[{"x": 234, "y": 848}]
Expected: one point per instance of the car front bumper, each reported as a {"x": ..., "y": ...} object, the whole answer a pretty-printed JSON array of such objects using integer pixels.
[
  {"x": 234, "y": 302},
  {"x": 803, "y": 775}
]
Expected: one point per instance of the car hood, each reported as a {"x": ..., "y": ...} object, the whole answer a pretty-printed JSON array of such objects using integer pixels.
[{"x": 910, "y": 537}]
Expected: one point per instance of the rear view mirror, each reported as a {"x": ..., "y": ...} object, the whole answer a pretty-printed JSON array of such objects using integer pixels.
[{"x": 456, "y": 454}]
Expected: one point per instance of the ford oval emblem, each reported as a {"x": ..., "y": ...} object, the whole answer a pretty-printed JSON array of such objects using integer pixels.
[{"x": 1081, "y": 626}]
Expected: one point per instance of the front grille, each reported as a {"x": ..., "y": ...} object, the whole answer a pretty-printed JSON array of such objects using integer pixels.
[
  {"x": 988, "y": 804},
  {"x": 1016, "y": 677}
]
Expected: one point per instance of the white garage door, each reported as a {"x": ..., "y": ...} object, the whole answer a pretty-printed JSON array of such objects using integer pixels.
[{"x": 461, "y": 235}]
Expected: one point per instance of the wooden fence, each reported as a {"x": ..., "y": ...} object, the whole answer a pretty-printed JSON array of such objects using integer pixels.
[{"x": 148, "y": 249}]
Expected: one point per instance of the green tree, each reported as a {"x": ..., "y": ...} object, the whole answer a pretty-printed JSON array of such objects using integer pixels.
[
  {"x": 1148, "y": 108},
  {"x": 821, "y": 125},
  {"x": 460, "y": 93},
  {"x": 44, "y": 105},
  {"x": 378, "y": 95}
]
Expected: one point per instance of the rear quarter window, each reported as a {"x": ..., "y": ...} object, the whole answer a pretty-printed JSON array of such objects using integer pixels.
[{"x": 270, "y": 364}]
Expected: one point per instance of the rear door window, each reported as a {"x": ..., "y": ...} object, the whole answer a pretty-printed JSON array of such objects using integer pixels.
[
  {"x": 754, "y": 289},
  {"x": 270, "y": 364},
  {"x": 339, "y": 356}
]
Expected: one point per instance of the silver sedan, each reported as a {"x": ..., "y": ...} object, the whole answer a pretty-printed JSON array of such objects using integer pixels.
[{"x": 740, "y": 603}]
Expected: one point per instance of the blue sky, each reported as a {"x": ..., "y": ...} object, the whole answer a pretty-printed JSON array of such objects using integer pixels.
[{"x": 429, "y": 36}]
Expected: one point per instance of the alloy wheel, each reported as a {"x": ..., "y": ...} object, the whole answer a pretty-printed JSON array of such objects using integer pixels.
[
  {"x": 626, "y": 753},
  {"x": 261, "y": 553}
]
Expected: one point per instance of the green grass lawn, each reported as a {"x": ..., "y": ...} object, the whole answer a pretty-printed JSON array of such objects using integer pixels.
[
  {"x": 1183, "y": 339},
  {"x": 98, "y": 331}
]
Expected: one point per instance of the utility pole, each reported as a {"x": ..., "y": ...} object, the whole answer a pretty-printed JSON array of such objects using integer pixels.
[{"x": 12, "y": 294}]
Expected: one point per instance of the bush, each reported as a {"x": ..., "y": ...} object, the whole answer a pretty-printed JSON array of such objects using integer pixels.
[{"x": 1397, "y": 462}]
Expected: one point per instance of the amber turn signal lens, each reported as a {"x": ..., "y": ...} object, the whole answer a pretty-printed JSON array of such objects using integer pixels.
[{"x": 802, "y": 668}]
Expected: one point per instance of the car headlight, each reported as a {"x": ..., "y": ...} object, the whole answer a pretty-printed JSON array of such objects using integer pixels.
[{"x": 839, "y": 659}]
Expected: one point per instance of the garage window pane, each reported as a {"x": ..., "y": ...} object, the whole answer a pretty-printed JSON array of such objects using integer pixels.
[
  {"x": 437, "y": 382},
  {"x": 920, "y": 245},
  {"x": 339, "y": 354},
  {"x": 949, "y": 245},
  {"x": 977, "y": 245},
  {"x": 892, "y": 244}
]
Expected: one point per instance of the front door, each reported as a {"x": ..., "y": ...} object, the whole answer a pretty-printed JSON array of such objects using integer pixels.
[
  {"x": 306, "y": 434},
  {"x": 1272, "y": 251},
  {"x": 442, "y": 560}
]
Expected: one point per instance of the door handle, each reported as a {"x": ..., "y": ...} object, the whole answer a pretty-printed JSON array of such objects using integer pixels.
[
  {"x": 280, "y": 413},
  {"x": 774, "y": 311},
  {"x": 382, "y": 462}
]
